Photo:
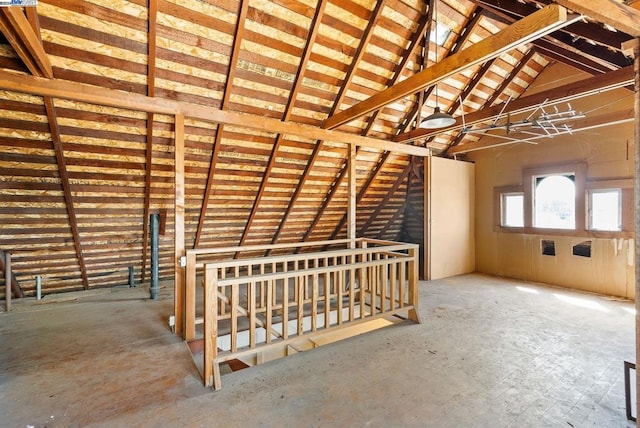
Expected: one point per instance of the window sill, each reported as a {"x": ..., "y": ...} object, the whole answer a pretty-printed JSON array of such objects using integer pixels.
[{"x": 596, "y": 234}]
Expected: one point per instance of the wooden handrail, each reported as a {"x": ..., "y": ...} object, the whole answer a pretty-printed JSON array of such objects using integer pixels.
[{"x": 287, "y": 307}]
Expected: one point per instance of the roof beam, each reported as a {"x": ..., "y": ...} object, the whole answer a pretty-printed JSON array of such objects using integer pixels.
[
  {"x": 28, "y": 45},
  {"x": 413, "y": 114},
  {"x": 601, "y": 58},
  {"x": 231, "y": 71},
  {"x": 66, "y": 187},
  {"x": 109, "y": 97},
  {"x": 585, "y": 30},
  {"x": 591, "y": 86},
  {"x": 588, "y": 123},
  {"x": 534, "y": 26},
  {"x": 499, "y": 90},
  {"x": 25, "y": 41},
  {"x": 313, "y": 33},
  {"x": 423, "y": 27},
  {"x": 610, "y": 12},
  {"x": 364, "y": 40},
  {"x": 385, "y": 201}
]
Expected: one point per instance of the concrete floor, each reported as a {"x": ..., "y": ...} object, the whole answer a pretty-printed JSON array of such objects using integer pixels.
[{"x": 490, "y": 352}]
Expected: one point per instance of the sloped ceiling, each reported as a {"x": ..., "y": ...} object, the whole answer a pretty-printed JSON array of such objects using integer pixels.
[{"x": 78, "y": 181}]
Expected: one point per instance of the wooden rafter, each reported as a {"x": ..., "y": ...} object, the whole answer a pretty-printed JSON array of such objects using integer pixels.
[
  {"x": 385, "y": 201},
  {"x": 364, "y": 40},
  {"x": 423, "y": 27},
  {"x": 114, "y": 98},
  {"x": 462, "y": 39},
  {"x": 418, "y": 35},
  {"x": 151, "y": 89},
  {"x": 611, "y": 40},
  {"x": 610, "y": 12},
  {"x": 542, "y": 22},
  {"x": 612, "y": 80},
  {"x": 24, "y": 36},
  {"x": 313, "y": 33},
  {"x": 66, "y": 187},
  {"x": 363, "y": 191},
  {"x": 231, "y": 70},
  {"x": 569, "y": 48},
  {"x": 499, "y": 90},
  {"x": 24, "y": 40}
]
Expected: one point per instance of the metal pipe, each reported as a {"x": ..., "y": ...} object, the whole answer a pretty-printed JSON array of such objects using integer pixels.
[
  {"x": 154, "y": 230},
  {"x": 38, "y": 287},
  {"x": 131, "y": 279}
]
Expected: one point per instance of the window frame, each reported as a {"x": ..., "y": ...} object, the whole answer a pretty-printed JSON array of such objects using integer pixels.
[
  {"x": 503, "y": 208},
  {"x": 583, "y": 185},
  {"x": 620, "y": 193},
  {"x": 537, "y": 179},
  {"x": 578, "y": 170}
]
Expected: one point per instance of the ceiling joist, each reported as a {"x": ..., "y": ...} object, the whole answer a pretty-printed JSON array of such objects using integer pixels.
[{"x": 109, "y": 97}]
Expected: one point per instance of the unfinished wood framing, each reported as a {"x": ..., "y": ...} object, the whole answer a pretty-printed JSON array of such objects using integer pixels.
[
  {"x": 92, "y": 97},
  {"x": 300, "y": 301}
]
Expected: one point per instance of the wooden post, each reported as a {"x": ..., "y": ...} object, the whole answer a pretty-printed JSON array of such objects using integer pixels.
[
  {"x": 7, "y": 280},
  {"x": 414, "y": 253},
  {"x": 190, "y": 299},
  {"x": 636, "y": 194},
  {"x": 351, "y": 210},
  {"x": 211, "y": 368},
  {"x": 178, "y": 239},
  {"x": 426, "y": 274}
]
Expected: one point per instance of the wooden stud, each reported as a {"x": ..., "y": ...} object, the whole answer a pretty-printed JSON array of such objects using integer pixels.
[
  {"x": 285, "y": 304},
  {"x": 178, "y": 236},
  {"x": 190, "y": 298},
  {"x": 269, "y": 307},
  {"x": 251, "y": 309},
  {"x": 636, "y": 194},
  {"x": 210, "y": 327},
  {"x": 351, "y": 209},
  {"x": 235, "y": 304},
  {"x": 414, "y": 266}
]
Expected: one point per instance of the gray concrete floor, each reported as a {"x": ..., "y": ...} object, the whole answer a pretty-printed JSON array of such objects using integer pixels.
[{"x": 490, "y": 352}]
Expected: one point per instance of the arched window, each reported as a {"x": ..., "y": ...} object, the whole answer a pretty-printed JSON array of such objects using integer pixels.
[{"x": 555, "y": 202}]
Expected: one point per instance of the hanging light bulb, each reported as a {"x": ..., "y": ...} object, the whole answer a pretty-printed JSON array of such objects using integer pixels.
[{"x": 437, "y": 119}]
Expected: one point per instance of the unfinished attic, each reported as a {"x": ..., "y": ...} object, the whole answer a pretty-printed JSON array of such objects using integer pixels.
[{"x": 282, "y": 174}]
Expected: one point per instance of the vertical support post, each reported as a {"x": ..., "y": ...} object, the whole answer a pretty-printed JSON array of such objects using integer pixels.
[
  {"x": 211, "y": 367},
  {"x": 636, "y": 195},
  {"x": 414, "y": 265},
  {"x": 155, "y": 256},
  {"x": 351, "y": 210},
  {"x": 427, "y": 220},
  {"x": 178, "y": 238},
  {"x": 7, "y": 280},
  {"x": 190, "y": 299},
  {"x": 38, "y": 287}
]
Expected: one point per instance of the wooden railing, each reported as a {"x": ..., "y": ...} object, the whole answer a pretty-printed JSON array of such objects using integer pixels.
[{"x": 260, "y": 308}]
